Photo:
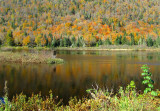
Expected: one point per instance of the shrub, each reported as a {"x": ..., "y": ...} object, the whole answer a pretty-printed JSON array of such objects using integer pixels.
[
  {"x": 55, "y": 61},
  {"x": 147, "y": 80}
]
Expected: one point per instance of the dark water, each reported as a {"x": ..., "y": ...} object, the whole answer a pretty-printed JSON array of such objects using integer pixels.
[{"x": 81, "y": 70}]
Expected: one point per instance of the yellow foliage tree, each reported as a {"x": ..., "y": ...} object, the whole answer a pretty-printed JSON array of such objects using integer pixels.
[{"x": 26, "y": 41}]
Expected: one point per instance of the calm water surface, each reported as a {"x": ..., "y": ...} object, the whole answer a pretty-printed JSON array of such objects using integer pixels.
[{"x": 81, "y": 70}]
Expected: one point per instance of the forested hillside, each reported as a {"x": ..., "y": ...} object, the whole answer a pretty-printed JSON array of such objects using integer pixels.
[{"x": 78, "y": 23}]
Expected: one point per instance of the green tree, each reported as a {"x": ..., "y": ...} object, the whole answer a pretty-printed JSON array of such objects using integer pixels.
[
  {"x": 46, "y": 39},
  {"x": 61, "y": 42},
  {"x": 158, "y": 41},
  {"x": 73, "y": 11},
  {"x": 149, "y": 42},
  {"x": 140, "y": 42},
  {"x": 54, "y": 42},
  {"x": 73, "y": 41},
  {"x": 78, "y": 42},
  {"x": 124, "y": 40},
  {"x": 99, "y": 42},
  {"x": 118, "y": 40},
  {"x": 9, "y": 38},
  {"x": 107, "y": 42},
  {"x": 92, "y": 41},
  {"x": 132, "y": 39},
  {"x": 65, "y": 42},
  {"x": 0, "y": 42},
  {"x": 13, "y": 24}
]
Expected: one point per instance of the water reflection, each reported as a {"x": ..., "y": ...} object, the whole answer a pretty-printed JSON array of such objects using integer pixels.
[{"x": 81, "y": 70}]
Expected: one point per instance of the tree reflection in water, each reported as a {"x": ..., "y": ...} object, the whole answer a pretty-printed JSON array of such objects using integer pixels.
[{"x": 81, "y": 70}]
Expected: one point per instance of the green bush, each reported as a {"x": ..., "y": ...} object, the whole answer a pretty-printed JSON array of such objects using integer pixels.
[
  {"x": 148, "y": 80},
  {"x": 55, "y": 61}
]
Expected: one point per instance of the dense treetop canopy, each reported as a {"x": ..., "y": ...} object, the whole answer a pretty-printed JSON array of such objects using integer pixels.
[{"x": 54, "y": 22}]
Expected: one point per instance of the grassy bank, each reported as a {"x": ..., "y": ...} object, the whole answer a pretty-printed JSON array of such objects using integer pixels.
[
  {"x": 8, "y": 48},
  {"x": 28, "y": 58}
]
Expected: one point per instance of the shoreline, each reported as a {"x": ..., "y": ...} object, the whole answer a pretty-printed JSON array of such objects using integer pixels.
[
  {"x": 106, "y": 48},
  {"x": 95, "y": 49}
]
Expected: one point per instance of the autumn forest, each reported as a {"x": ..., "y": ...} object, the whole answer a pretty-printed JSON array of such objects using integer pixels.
[
  {"x": 79, "y": 23},
  {"x": 80, "y": 55}
]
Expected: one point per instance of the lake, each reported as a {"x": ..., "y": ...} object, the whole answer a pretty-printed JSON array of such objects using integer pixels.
[{"x": 82, "y": 70}]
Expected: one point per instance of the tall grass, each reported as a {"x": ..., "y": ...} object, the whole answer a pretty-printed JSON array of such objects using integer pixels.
[{"x": 29, "y": 58}]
